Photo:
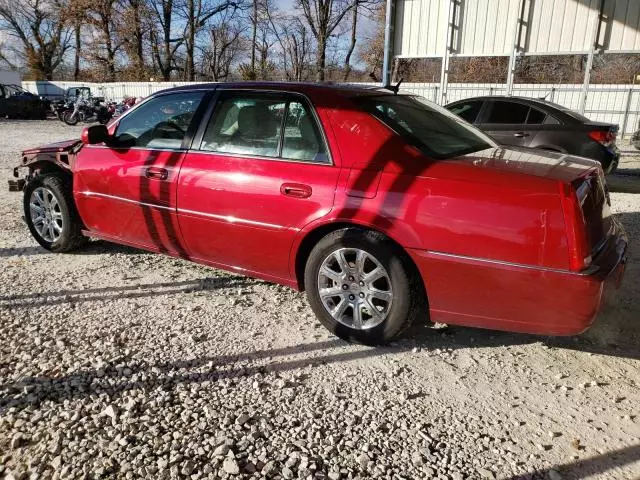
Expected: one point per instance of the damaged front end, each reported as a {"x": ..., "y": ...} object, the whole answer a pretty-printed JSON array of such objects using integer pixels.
[{"x": 59, "y": 156}]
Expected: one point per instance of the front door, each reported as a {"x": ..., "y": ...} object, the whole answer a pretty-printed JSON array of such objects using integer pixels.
[
  {"x": 260, "y": 173},
  {"x": 127, "y": 190}
]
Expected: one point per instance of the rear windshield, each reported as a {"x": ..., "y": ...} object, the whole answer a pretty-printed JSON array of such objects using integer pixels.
[{"x": 433, "y": 129}]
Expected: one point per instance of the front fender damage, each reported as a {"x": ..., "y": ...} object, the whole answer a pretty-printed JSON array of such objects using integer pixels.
[{"x": 59, "y": 156}]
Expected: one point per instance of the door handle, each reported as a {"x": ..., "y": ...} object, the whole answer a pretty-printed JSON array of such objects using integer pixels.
[
  {"x": 156, "y": 172},
  {"x": 520, "y": 134},
  {"x": 296, "y": 190}
]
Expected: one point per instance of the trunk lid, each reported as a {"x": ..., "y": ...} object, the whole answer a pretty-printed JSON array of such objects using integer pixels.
[{"x": 539, "y": 163}]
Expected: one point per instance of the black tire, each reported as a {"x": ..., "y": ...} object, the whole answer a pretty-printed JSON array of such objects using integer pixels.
[
  {"x": 67, "y": 118},
  {"x": 71, "y": 237},
  {"x": 409, "y": 300}
]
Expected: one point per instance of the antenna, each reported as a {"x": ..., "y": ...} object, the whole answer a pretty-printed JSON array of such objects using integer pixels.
[{"x": 394, "y": 88}]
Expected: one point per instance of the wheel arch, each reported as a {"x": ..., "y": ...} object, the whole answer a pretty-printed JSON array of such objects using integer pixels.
[{"x": 313, "y": 236}]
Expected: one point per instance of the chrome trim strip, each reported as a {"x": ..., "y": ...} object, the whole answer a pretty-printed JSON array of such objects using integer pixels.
[
  {"x": 588, "y": 271},
  {"x": 148, "y": 149},
  {"x": 225, "y": 218},
  {"x": 245, "y": 156},
  {"x": 122, "y": 199},
  {"x": 231, "y": 219}
]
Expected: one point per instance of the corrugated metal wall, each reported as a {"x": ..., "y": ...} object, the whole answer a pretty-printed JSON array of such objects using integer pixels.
[
  {"x": 487, "y": 27},
  {"x": 607, "y": 103},
  {"x": 114, "y": 91}
]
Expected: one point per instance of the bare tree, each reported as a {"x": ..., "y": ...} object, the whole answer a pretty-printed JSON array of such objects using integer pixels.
[
  {"x": 103, "y": 16},
  {"x": 352, "y": 44},
  {"x": 134, "y": 30},
  {"x": 323, "y": 17},
  {"x": 196, "y": 14},
  {"x": 372, "y": 52},
  {"x": 164, "y": 45},
  {"x": 297, "y": 45},
  {"x": 225, "y": 46},
  {"x": 40, "y": 28}
]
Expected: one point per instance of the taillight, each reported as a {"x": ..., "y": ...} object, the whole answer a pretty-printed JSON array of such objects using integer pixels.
[
  {"x": 579, "y": 255},
  {"x": 603, "y": 137}
]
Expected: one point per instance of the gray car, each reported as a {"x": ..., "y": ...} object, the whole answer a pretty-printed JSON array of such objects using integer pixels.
[{"x": 532, "y": 123}]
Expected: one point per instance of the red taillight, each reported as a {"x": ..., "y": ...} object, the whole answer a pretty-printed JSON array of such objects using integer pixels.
[
  {"x": 579, "y": 255},
  {"x": 606, "y": 138}
]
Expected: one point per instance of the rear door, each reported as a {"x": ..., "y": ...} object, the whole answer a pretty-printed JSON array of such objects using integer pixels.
[
  {"x": 127, "y": 190},
  {"x": 258, "y": 172},
  {"x": 505, "y": 121}
]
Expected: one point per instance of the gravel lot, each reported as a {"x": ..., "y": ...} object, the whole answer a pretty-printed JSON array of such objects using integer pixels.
[{"x": 121, "y": 364}]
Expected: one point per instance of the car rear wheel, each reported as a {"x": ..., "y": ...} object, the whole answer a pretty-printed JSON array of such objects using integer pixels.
[
  {"x": 362, "y": 287},
  {"x": 51, "y": 214}
]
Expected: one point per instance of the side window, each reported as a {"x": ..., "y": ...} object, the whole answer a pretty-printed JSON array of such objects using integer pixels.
[
  {"x": 245, "y": 124},
  {"x": 252, "y": 124},
  {"x": 161, "y": 122},
  {"x": 302, "y": 140},
  {"x": 507, "y": 112},
  {"x": 467, "y": 111},
  {"x": 536, "y": 117}
]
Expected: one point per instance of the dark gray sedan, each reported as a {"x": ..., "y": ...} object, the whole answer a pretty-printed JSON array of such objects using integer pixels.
[{"x": 532, "y": 123}]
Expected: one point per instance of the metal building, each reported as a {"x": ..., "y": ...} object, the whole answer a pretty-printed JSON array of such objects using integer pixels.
[{"x": 458, "y": 28}]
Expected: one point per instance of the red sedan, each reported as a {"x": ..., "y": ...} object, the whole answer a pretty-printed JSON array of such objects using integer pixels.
[{"x": 384, "y": 207}]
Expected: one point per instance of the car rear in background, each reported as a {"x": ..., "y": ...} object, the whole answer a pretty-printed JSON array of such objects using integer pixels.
[{"x": 533, "y": 123}]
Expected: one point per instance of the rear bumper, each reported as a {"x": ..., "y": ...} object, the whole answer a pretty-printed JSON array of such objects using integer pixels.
[
  {"x": 520, "y": 298},
  {"x": 609, "y": 157}
]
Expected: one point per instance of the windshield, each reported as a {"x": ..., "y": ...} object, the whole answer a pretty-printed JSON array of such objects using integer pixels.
[{"x": 431, "y": 128}]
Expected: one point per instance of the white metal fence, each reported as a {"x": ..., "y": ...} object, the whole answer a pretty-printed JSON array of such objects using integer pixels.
[{"x": 619, "y": 104}]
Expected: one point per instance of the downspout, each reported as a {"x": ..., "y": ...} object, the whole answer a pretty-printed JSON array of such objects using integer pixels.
[{"x": 387, "y": 61}]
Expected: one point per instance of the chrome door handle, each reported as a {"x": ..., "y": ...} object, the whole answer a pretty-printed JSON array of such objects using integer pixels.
[
  {"x": 520, "y": 134},
  {"x": 157, "y": 173},
  {"x": 296, "y": 190}
]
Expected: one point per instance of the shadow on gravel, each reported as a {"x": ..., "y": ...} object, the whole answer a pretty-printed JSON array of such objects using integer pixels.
[
  {"x": 21, "y": 251},
  {"x": 96, "y": 247},
  {"x": 589, "y": 466},
  {"x": 29, "y": 300},
  {"x": 32, "y": 391}
]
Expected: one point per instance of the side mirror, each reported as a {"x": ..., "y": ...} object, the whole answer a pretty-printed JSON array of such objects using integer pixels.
[{"x": 95, "y": 134}]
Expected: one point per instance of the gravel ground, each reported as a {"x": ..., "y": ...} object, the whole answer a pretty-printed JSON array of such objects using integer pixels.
[{"x": 121, "y": 364}]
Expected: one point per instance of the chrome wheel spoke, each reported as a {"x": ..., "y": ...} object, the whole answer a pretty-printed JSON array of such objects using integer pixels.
[
  {"x": 374, "y": 275},
  {"x": 330, "y": 274},
  {"x": 36, "y": 207},
  {"x": 361, "y": 256},
  {"x": 381, "y": 295},
  {"x": 339, "y": 310},
  {"x": 342, "y": 261},
  {"x": 357, "y": 316},
  {"x": 331, "y": 292}
]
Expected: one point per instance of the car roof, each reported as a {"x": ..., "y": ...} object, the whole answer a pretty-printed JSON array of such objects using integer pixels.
[
  {"x": 565, "y": 113},
  {"x": 535, "y": 101},
  {"x": 340, "y": 88}
]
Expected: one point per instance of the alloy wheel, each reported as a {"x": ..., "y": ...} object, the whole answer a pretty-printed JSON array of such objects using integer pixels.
[
  {"x": 46, "y": 215},
  {"x": 355, "y": 288}
]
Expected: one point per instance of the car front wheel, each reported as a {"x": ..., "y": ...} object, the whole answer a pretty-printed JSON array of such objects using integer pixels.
[
  {"x": 51, "y": 215},
  {"x": 362, "y": 287}
]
